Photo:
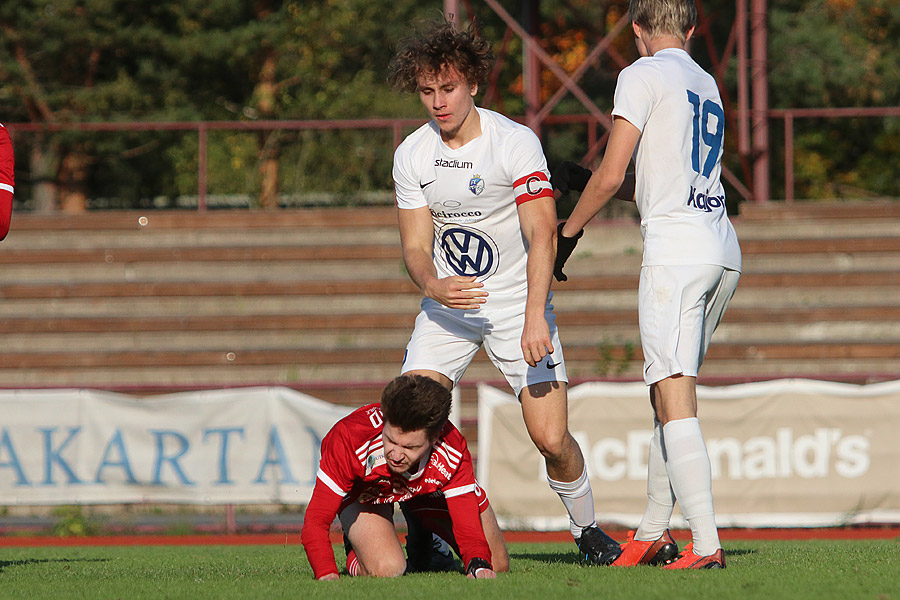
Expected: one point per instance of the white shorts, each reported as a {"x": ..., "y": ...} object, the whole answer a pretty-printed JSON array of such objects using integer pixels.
[
  {"x": 679, "y": 307},
  {"x": 446, "y": 340}
]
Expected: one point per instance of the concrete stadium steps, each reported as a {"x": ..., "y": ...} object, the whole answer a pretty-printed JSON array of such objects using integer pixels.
[
  {"x": 580, "y": 359},
  {"x": 310, "y": 218},
  {"x": 319, "y": 300},
  {"x": 874, "y": 209}
]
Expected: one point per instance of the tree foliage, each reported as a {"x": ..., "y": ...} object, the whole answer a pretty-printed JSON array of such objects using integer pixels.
[
  {"x": 65, "y": 61},
  {"x": 834, "y": 54}
]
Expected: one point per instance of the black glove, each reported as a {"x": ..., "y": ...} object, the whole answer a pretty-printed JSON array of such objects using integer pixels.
[
  {"x": 569, "y": 176},
  {"x": 477, "y": 563},
  {"x": 564, "y": 248}
]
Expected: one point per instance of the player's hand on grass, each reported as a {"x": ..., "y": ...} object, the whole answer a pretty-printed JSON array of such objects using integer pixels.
[
  {"x": 535, "y": 341},
  {"x": 457, "y": 292},
  {"x": 478, "y": 568},
  {"x": 569, "y": 176},
  {"x": 482, "y": 574},
  {"x": 564, "y": 248}
]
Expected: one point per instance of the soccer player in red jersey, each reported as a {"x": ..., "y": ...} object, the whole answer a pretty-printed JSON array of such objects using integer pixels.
[
  {"x": 403, "y": 450},
  {"x": 7, "y": 181}
]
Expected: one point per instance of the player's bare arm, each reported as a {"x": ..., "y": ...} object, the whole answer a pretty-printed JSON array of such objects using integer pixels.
[
  {"x": 609, "y": 180},
  {"x": 537, "y": 219},
  {"x": 417, "y": 239}
]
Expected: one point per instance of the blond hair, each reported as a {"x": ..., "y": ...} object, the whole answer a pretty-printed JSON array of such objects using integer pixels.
[{"x": 664, "y": 17}]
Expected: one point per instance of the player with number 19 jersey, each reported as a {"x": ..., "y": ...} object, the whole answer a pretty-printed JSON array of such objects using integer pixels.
[
  {"x": 473, "y": 193},
  {"x": 676, "y": 106},
  {"x": 353, "y": 468}
]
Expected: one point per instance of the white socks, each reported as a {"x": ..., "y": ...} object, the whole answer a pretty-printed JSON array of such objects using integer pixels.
[
  {"x": 678, "y": 468},
  {"x": 660, "y": 497},
  {"x": 690, "y": 474},
  {"x": 578, "y": 499}
]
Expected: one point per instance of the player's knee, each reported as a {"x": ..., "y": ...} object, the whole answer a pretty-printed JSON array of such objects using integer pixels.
[
  {"x": 386, "y": 567},
  {"x": 551, "y": 445}
]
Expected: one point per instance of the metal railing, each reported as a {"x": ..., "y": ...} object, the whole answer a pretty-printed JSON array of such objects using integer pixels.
[
  {"x": 397, "y": 126},
  {"x": 787, "y": 115}
]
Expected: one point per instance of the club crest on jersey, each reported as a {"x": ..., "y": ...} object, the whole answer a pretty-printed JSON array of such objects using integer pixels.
[{"x": 476, "y": 184}]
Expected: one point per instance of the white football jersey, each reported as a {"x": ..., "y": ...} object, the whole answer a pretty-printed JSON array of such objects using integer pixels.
[
  {"x": 678, "y": 191},
  {"x": 473, "y": 193}
]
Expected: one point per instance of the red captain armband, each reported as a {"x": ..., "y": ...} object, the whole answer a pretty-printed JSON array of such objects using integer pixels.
[{"x": 533, "y": 186}]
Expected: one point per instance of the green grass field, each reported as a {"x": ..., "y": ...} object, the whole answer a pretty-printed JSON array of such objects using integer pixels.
[{"x": 817, "y": 569}]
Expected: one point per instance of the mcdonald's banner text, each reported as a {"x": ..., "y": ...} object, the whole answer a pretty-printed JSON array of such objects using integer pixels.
[{"x": 783, "y": 453}]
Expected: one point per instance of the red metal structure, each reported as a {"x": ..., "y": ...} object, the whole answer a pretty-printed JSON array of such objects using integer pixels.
[
  {"x": 750, "y": 115},
  {"x": 752, "y": 123}
]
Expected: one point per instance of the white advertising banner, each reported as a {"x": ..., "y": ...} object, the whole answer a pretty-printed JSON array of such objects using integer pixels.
[
  {"x": 783, "y": 453},
  {"x": 243, "y": 445}
]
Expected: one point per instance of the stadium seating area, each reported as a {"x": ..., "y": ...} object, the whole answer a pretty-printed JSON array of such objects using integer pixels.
[{"x": 318, "y": 300}]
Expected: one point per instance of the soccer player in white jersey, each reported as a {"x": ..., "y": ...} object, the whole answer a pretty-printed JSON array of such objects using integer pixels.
[
  {"x": 402, "y": 450},
  {"x": 478, "y": 229},
  {"x": 668, "y": 116}
]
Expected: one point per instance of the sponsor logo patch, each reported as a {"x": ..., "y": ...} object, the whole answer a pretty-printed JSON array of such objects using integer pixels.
[
  {"x": 468, "y": 251},
  {"x": 701, "y": 201},
  {"x": 452, "y": 164}
]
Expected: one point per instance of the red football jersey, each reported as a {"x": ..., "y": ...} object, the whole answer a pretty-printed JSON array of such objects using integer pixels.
[
  {"x": 353, "y": 469},
  {"x": 7, "y": 180}
]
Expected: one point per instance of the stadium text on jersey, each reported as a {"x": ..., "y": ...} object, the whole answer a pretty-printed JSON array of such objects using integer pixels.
[{"x": 452, "y": 164}]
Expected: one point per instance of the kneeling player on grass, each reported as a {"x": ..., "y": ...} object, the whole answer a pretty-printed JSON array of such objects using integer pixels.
[{"x": 404, "y": 450}]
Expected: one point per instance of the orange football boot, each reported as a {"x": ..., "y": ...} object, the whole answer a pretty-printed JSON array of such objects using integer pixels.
[
  {"x": 689, "y": 560},
  {"x": 660, "y": 551}
]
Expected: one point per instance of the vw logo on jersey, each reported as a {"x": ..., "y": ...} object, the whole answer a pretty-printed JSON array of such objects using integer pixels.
[
  {"x": 476, "y": 184},
  {"x": 469, "y": 252}
]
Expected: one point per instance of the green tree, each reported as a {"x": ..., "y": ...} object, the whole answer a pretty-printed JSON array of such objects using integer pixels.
[
  {"x": 66, "y": 61},
  {"x": 834, "y": 54}
]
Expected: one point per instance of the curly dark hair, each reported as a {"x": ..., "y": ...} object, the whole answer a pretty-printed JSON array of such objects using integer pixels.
[
  {"x": 413, "y": 402},
  {"x": 442, "y": 45}
]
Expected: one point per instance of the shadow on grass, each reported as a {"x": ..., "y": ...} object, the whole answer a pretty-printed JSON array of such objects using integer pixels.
[
  {"x": 739, "y": 551},
  {"x": 573, "y": 559},
  {"x": 36, "y": 561},
  {"x": 547, "y": 557}
]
